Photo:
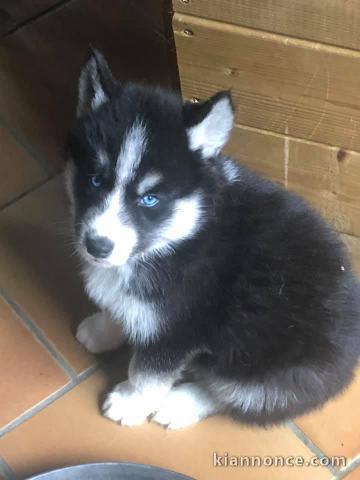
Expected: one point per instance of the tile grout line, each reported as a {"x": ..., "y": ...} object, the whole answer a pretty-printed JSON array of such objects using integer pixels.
[
  {"x": 29, "y": 191},
  {"x": 26, "y": 146},
  {"x": 311, "y": 445},
  {"x": 5, "y": 470},
  {"x": 354, "y": 463},
  {"x": 48, "y": 400},
  {"x": 39, "y": 335}
]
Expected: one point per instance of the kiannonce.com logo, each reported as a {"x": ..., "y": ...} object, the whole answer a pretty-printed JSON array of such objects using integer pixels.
[{"x": 240, "y": 461}]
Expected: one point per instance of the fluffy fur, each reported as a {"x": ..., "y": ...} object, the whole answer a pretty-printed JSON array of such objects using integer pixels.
[{"x": 229, "y": 283}]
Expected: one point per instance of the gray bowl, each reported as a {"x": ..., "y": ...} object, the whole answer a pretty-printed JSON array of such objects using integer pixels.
[{"x": 110, "y": 471}]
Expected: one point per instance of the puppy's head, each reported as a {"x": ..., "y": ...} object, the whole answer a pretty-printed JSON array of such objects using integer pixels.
[{"x": 136, "y": 175}]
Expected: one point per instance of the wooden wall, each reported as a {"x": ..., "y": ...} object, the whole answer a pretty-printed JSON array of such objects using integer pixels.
[
  {"x": 44, "y": 44},
  {"x": 294, "y": 70}
]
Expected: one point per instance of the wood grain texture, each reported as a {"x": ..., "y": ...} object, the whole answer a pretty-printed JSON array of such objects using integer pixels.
[
  {"x": 335, "y": 22},
  {"x": 40, "y": 65},
  {"x": 353, "y": 245},
  {"x": 15, "y": 12},
  {"x": 284, "y": 85},
  {"x": 327, "y": 177}
]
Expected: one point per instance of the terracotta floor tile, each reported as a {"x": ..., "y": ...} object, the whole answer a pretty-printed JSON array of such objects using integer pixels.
[
  {"x": 5, "y": 472},
  {"x": 19, "y": 172},
  {"x": 335, "y": 429},
  {"x": 72, "y": 431},
  {"x": 38, "y": 272},
  {"x": 354, "y": 475},
  {"x": 28, "y": 373}
]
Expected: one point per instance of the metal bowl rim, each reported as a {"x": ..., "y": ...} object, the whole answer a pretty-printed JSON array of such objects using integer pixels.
[{"x": 109, "y": 464}]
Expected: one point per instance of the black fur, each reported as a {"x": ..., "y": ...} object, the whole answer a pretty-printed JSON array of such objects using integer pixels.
[{"x": 264, "y": 289}]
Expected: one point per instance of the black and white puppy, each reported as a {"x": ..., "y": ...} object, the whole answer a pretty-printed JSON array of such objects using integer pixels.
[{"x": 235, "y": 295}]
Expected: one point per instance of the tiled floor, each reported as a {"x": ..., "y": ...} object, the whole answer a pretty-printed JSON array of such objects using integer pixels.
[{"x": 50, "y": 387}]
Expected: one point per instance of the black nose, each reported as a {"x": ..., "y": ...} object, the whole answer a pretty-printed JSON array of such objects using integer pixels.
[{"x": 99, "y": 247}]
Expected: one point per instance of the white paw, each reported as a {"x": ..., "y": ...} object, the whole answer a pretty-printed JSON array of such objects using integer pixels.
[
  {"x": 98, "y": 333},
  {"x": 185, "y": 405},
  {"x": 125, "y": 405}
]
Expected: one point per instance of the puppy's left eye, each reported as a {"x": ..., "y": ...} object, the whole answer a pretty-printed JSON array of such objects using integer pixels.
[
  {"x": 149, "y": 201},
  {"x": 95, "y": 181}
]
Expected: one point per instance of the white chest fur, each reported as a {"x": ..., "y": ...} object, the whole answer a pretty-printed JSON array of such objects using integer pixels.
[{"x": 107, "y": 287}]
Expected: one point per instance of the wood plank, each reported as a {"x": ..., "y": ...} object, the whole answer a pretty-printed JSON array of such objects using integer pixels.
[
  {"x": 335, "y": 22},
  {"x": 279, "y": 84},
  {"x": 41, "y": 62},
  {"x": 353, "y": 245},
  {"x": 15, "y": 12},
  {"x": 327, "y": 177}
]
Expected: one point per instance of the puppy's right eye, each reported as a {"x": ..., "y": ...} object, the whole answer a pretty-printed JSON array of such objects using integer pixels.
[
  {"x": 149, "y": 201},
  {"x": 95, "y": 181}
]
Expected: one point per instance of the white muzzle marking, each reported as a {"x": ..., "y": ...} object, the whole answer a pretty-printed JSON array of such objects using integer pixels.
[{"x": 113, "y": 224}]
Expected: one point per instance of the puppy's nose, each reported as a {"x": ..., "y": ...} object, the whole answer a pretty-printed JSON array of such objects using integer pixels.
[{"x": 99, "y": 247}]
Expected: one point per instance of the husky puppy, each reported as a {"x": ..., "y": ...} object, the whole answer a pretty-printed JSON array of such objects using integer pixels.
[{"x": 235, "y": 295}]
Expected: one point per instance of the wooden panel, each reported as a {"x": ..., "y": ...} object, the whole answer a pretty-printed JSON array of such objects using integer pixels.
[
  {"x": 279, "y": 84},
  {"x": 15, "y": 12},
  {"x": 327, "y": 177},
  {"x": 41, "y": 62},
  {"x": 353, "y": 245},
  {"x": 331, "y": 21}
]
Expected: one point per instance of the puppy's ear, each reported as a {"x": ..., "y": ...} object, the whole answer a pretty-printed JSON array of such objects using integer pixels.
[
  {"x": 209, "y": 124},
  {"x": 96, "y": 83}
]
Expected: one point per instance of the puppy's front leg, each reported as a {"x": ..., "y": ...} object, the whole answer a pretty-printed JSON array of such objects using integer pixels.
[
  {"x": 150, "y": 379},
  {"x": 100, "y": 333}
]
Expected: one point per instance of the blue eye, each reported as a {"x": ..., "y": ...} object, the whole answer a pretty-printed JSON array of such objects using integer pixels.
[
  {"x": 95, "y": 181},
  {"x": 149, "y": 201}
]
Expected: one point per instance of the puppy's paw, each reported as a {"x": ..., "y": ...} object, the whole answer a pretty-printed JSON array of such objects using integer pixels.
[
  {"x": 184, "y": 406},
  {"x": 99, "y": 334},
  {"x": 126, "y": 406}
]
